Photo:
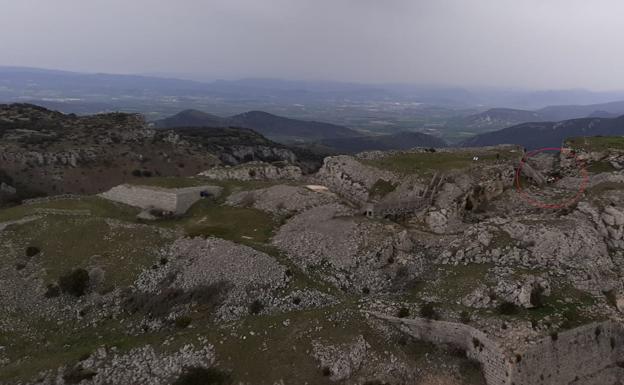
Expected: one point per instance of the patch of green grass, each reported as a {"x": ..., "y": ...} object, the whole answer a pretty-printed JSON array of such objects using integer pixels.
[
  {"x": 381, "y": 188},
  {"x": 459, "y": 281},
  {"x": 566, "y": 305},
  {"x": 68, "y": 243},
  {"x": 596, "y": 143},
  {"x": 98, "y": 207},
  {"x": 604, "y": 187},
  {"x": 238, "y": 224},
  {"x": 50, "y": 346},
  {"x": 425, "y": 163},
  {"x": 602, "y": 166},
  {"x": 451, "y": 283}
]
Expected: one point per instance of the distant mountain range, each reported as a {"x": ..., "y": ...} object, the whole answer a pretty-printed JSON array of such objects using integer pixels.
[
  {"x": 549, "y": 134},
  {"x": 399, "y": 141},
  {"x": 272, "y": 126},
  {"x": 331, "y": 137},
  {"x": 120, "y": 91},
  {"x": 497, "y": 118}
]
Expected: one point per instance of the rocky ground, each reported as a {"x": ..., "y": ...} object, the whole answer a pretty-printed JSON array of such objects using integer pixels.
[{"x": 274, "y": 282}]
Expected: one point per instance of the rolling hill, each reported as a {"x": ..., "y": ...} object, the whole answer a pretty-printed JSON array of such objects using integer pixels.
[
  {"x": 497, "y": 118},
  {"x": 399, "y": 141},
  {"x": 278, "y": 128},
  {"x": 548, "y": 134}
]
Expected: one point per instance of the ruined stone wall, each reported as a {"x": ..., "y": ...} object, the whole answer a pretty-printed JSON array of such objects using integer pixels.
[
  {"x": 177, "y": 201},
  {"x": 351, "y": 179},
  {"x": 186, "y": 197},
  {"x": 588, "y": 354},
  {"x": 496, "y": 364},
  {"x": 254, "y": 171},
  {"x": 143, "y": 196}
]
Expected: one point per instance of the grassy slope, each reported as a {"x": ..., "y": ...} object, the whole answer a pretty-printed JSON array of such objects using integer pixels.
[
  {"x": 425, "y": 163},
  {"x": 597, "y": 143}
]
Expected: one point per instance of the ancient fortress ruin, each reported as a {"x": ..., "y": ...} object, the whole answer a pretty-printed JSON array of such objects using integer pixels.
[
  {"x": 397, "y": 208},
  {"x": 588, "y": 355},
  {"x": 176, "y": 201}
]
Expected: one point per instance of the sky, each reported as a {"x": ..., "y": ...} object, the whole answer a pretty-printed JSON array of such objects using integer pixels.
[{"x": 540, "y": 44}]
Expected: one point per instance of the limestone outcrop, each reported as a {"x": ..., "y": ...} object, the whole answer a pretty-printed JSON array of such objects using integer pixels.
[{"x": 254, "y": 171}]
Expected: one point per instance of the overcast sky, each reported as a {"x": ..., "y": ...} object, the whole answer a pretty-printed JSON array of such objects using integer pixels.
[{"x": 526, "y": 43}]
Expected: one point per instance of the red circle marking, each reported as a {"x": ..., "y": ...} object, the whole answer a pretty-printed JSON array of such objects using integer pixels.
[{"x": 540, "y": 204}]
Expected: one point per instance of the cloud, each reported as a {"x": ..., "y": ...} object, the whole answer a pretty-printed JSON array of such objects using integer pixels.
[{"x": 530, "y": 43}]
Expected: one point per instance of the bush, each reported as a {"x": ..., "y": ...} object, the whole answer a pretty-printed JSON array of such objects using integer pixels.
[
  {"x": 161, "y": 304},
  {"x": 507, "y": 308},
  {"x": 136, "y": 173},
  {"x": 537, "y": 297},
  {"x": 31, "y": 251},
  {"x": 77, "y": 374},
  {"x": 403, "y": 312},
  {"x": 183, "y": 322},
  {"x": 202, "y": 376},
  {"x": 248, "y": 200},
  {"x": 428, "y": 311},
  {"x": 256, "y": 307},
  {"x": 52, "y": 291},
  {"x": 75, "y": 283},
  {"x": 464, "y": 317}
]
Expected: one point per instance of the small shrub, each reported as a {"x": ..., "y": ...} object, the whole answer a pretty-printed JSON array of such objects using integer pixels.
[
  {"x": 31, "y": 251},
  {"x": 611, "y": 297},
  {"x": 296, "y": 300},
  {"x": 464, "y": 317},
  {"x": 136, "y": 173},
  {"x": 326, "y": 371},
  {"x": 381, "y": 188},
  {"x": 537, "y": 297},
  {"x": 146, "y": 173},
  {"x": 77, "y": 374},
  {"x": 248, "y": 200},
  {"x": 183, "y": 322},
  {"x": 202, "y": 376},
  {"x": 403, "y": 312},
  {"x": 365, "y": 291},
  {"x": 507, "y": 308},
  {"x": 75, "y": 283},
  {"x": 20, "y": 266},
  {"x": 428, "y": 311},
  {"x": 256, "y": 307},
  {"x": 161, "y": 304},
  {"x": 471, "y": 372},
  {"x": 52, "y": 291},
  {"x": 554, "y": 336}
]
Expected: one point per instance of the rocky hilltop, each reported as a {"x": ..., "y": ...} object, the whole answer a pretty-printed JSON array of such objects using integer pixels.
[
  {"x": 46, "y": 152},
  {"x": 483, "y": 265},
  {"x": 549, "y": 134}
]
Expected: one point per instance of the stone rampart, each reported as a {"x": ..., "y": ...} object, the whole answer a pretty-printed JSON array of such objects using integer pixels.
[
  {"x": 176, "y": 201},
  {"x": 588, "y": 355},
  {"x": 496, "y": 364}
]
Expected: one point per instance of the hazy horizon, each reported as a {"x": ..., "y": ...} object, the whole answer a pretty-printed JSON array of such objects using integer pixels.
[{"x": 560, "y": 44}]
